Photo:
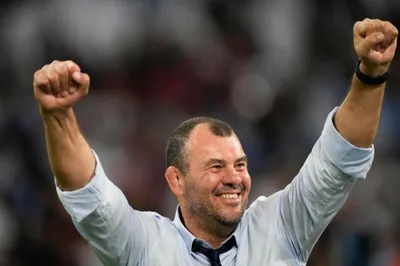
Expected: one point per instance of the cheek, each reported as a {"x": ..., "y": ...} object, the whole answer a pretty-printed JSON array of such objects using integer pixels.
[
  {"x": 212, "y": 181},
  {"x": 203, "y": 185},
  {"x": 246, "y": 180}
]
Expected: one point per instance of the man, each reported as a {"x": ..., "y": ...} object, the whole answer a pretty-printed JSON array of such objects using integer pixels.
[{"x": 207, "y": 171}]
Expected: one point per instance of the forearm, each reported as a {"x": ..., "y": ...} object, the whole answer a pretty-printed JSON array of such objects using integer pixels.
[
  {"x": 320, "y": 189},
  {"x": 358, "y": 117},
  {"x": 70, "y": 156}
]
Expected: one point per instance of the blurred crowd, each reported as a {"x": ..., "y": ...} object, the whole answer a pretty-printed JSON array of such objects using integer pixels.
[{"x": 272, "y": 69}]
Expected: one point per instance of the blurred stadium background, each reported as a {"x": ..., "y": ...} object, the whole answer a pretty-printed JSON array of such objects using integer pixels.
[{"x": 272, "y": 69}]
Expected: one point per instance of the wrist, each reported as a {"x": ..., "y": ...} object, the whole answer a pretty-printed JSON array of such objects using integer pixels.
[
  {"x": 372, "y": 76},
  {"x": 62, "y": 119},
  {"x": 373, "y": 71},
  {"x": 59, "y": 114}
]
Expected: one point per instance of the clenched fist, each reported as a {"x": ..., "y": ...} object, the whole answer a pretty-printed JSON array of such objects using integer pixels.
[
  {"x": 59, "y": 86},
  {"x": 375, "y": 43}
]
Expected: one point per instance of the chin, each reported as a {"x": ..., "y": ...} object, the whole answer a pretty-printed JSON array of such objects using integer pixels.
[{"x": 229, "y": 219}]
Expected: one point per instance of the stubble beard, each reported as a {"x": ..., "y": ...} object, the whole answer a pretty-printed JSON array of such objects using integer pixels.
[
  {"x": 221, "y": 216},
  {"x": 210, "y": 214}
]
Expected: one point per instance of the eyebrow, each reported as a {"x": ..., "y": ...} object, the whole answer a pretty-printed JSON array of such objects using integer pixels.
[
  {"x": 220, "y": 161},
  {"x": 241, "y": 159},
  {"x": 214, "y": 161}
]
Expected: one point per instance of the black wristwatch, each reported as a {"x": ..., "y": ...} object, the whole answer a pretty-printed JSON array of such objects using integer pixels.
[{"x": 368, "y": 79}]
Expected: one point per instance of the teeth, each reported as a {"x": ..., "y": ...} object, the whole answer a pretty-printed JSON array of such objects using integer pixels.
[{"x": 229, "y": 196}]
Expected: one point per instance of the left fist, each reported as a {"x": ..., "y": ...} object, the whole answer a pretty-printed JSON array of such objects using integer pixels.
[{"x": 375, "y": 43}]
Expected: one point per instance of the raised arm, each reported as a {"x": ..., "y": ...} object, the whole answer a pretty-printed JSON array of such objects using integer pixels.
[
  {"x": 342, "y": 154},
  {"x": 99, "y": 210},
  {"x": 357, "y": 119},
  {"x": 57, "y": 88}
]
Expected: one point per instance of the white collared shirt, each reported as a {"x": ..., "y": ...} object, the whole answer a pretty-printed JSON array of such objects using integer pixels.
[{"x": 279, "y": 230}]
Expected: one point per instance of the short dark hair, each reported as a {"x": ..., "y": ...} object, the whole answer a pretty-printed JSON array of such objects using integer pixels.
[{"x": 176, "y": 146}]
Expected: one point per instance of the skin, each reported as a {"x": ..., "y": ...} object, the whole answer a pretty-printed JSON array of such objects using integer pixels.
[
  {"x": 217, "y": 165},
  {"x": 60, "y": 85},
  {"x": 57, "y": 87},
  {"x": 358, "y": 117}
]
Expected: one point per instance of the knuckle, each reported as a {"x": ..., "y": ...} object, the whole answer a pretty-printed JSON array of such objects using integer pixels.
[
  {"x": 38, "y": 78},
  {"x": 386, "y": 26},
  {"x": 72, "y": 65},
  {"x": 60, "y": 68},
  {"x": 45, "y": 67},
  {"x": 368, "y": 21},
  {"x": 52, "y": 76},
  {"x": 36, "y": 74},
  {"x": 393, "y": 29}
]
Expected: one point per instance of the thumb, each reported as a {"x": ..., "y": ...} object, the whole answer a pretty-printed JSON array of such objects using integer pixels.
[
  {"x": 371, "y": 42},
  {"x": 82, "y": 80}
]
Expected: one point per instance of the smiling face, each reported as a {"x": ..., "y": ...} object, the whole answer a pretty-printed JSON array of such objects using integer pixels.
[{"x": 217, "y": 184}]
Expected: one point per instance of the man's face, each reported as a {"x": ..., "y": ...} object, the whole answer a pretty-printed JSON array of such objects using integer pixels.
[{"x": 217, "y": 183}]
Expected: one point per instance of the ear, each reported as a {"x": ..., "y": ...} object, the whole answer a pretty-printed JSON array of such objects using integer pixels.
[{"x": 174, "y": 180}]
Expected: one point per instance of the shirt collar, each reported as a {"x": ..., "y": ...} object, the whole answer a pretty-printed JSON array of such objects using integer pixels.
[{"x": 188, "y": 238}]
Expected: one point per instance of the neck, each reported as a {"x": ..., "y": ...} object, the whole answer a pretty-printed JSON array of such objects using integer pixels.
[{"x": 211, "y": 231}]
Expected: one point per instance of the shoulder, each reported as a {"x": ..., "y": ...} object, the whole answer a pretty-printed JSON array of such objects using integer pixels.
[{"x": 263, "y": 208}]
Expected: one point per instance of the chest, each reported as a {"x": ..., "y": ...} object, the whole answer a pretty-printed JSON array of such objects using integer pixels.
[{"x": 271, "y": 250}]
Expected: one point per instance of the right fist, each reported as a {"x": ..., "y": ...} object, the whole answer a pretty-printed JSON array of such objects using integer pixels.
[{"x": 59, "y": 86}]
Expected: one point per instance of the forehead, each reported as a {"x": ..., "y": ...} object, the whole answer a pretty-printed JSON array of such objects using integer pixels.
[{"x": 203, "y": 145}]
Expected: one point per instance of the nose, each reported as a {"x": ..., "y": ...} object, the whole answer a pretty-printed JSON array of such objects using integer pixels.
[{"x": 232, "y": 177}]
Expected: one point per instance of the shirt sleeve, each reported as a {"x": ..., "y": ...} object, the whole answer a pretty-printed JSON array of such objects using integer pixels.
[
  {"x": 103, "y": 217},
  {"x": 307, "y": 205}
]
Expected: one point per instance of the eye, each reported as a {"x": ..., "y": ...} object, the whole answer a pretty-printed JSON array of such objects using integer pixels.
[
  {"x": 241, "y": 166},
  {"x": 217, "y": 166}
]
